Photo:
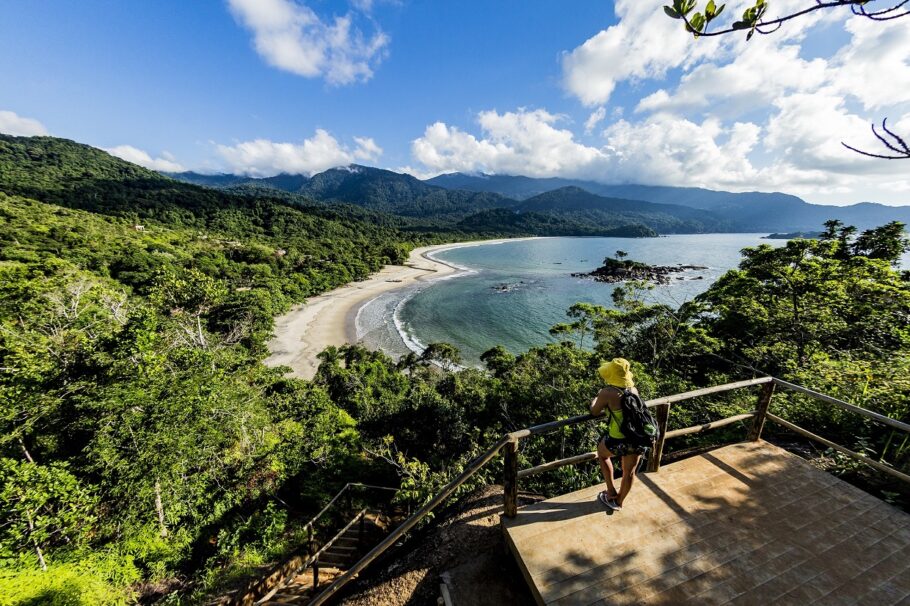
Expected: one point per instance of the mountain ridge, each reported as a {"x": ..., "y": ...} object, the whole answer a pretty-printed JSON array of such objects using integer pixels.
[{"x": 405, "y": 195}]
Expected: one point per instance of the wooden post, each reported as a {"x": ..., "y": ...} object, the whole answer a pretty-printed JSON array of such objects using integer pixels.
[
  {"x": 315, "y": 574},
  {"x": 510, "y": 479},
  {"x": 360, "y": 531},
  {"x": 663, "y": 416},
  {"x": 764, "y": 401}
]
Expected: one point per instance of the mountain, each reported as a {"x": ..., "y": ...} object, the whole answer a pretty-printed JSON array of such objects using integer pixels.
[
  {"x": 507, "y": 221},
  {"x": 583, "y": 206},
  {"x": 372, "y": 188},
  {"x": 284, "y": 181},
  {"x": 398, "y": 193},
  {"x": 746, "y": 211}
]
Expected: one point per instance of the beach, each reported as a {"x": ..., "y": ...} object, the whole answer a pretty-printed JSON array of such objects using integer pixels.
[{"x": 328, "y": 319}]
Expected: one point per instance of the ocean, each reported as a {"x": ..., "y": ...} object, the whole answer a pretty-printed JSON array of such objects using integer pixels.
[{"x": 510, "y": 294}]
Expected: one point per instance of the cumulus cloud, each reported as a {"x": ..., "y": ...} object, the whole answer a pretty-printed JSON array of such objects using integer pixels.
[
  {"x": 290, "y": 35},
  {"x": 526, "y": 142},
  {"x": 264, "y": 158},
  {"x": 765, "y": 114},
  {"x": 644, "y": 44},
  {"x": 753, "y": 79},
  {"x": 165, "y": 163},
  {"x": 13, "y": 124}
]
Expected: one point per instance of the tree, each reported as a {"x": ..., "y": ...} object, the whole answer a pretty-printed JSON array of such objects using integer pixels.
[
  {"x": 753, "y": 20},
  {"x": 44, "y": 506},
  {"x": 444, "y": 354}
]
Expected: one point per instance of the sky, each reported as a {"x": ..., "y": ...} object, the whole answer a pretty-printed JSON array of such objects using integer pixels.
[{"x": 615, "y": 92}]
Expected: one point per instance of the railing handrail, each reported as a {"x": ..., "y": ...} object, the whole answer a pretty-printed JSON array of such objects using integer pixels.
[
  {"x": 405, "y": 526},
  {"x": 337, "y": 536},
  {"x": 679, "y": 397},
  {"x": 845, "y": 405},
  {"x": 514, "y": 437},
  {"x": 312, "y": 559},
  {"x": 337, "y": 496}
]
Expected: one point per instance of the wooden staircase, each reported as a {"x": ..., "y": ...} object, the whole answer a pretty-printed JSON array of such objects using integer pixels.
[{"x": 364, "y": 531}]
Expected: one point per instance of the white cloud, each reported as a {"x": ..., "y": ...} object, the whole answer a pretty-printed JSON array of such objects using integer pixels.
[
  {"x": 165, "y": 163},
  {"x": 290, "y": 36},
  {"x": 521, "y": 142},
  {"x": 765, "y": 114},
  {"x": 674, "y": 151},
  {"x": 13, "y": 124},
  {"x": 753, "y": 79},
  {"x": 874, "y": 66},
  {"x": 596, "y": 117},
  {"x": 644, "y": 44},
  {"x": 264, "y": 158},
  {"x": 665, "y": 149}
]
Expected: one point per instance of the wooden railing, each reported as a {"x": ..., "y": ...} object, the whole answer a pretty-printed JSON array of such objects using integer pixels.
[
  {"x": 264, "y": 588},
  {"x": 511, "y": 474}
]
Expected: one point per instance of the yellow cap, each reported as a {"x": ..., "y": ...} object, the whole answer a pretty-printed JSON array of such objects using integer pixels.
[{"x": 617, "y": 373}]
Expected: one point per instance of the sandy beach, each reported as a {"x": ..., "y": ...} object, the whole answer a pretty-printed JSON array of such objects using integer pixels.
[{"x": 328, "y": 319}]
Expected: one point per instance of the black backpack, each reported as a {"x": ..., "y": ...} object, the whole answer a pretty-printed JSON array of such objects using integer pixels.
[{"x": 638, "y": 424}]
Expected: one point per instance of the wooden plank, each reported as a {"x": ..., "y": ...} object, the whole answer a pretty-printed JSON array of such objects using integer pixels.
[
  {"x": 747, "y": 523},
  {"x": 870, "y": 462},
  {"x": 712, "y": 425}
]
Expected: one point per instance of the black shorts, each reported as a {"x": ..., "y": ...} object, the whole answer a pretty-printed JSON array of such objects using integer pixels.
[{"x": 621, "y": 448}]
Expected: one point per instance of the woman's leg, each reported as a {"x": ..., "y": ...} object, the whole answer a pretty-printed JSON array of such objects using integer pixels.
[
  {"x": 629, "y": 467},
  {"x": 606, "y": 467}
]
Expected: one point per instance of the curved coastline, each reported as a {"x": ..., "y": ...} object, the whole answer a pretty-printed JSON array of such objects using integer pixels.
[{"x": 330, "y": 318}]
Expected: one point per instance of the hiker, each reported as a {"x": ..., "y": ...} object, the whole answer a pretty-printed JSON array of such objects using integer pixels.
[{"x": 610, "y": 401}]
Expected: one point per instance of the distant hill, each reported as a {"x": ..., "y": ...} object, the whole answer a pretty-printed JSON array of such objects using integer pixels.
[
  {"x": 594, "y": 206},
  {"x": 583, "y": 206},
  {"x": 747, "y": 211},
  {"x": 372, "y": 188},
  {"x": 506, "y": 221}
]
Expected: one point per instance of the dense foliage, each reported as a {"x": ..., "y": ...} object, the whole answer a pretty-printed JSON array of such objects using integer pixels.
[{"x": 144, "y": 449}]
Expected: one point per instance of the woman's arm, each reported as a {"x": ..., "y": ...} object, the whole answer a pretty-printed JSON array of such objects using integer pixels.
[{"x": 599, "y": 404}]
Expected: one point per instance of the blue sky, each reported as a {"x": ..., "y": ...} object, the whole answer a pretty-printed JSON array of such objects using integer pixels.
[{"x": 265, "y": 86}]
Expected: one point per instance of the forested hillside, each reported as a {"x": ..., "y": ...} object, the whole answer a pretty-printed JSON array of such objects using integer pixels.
[
  {"x": 146, "y": 451},
  {"x": 743, "y": 211},
  {"x": 583, "y": 206}
]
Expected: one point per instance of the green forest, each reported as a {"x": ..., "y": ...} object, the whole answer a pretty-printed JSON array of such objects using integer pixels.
[{"x": 147, "y": 454}]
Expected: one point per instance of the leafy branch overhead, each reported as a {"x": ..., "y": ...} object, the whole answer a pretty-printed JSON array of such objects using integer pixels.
[
  {"x": 753, "y": 17},
  {"x": 753, "y": 20}
]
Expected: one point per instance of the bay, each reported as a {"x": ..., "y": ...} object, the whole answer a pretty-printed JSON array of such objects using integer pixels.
[{"x": 510, "y": 294}]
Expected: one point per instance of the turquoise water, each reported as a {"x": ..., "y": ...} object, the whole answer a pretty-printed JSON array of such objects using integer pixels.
[{"x": 511, "y": 293}]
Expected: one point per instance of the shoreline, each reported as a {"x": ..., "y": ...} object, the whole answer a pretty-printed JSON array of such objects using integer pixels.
[{"x": 329, "y": 318}]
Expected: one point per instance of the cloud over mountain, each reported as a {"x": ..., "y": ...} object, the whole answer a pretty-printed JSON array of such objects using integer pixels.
[
  {"x": 264, "y": 158},
  {"x": 12, "y": 123},
  {"x": 760, "y": 115},
  {"x": 165, "y": 163}
]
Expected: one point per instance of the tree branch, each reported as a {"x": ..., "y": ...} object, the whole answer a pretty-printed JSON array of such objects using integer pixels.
[{"x": 898, "y": 146}]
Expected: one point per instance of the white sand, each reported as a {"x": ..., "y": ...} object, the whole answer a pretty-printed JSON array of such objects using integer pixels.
[{"x": 328, "y": 319}]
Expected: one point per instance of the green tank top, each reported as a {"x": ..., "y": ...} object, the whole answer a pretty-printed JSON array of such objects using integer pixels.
[{"x": 615, "y": 424}]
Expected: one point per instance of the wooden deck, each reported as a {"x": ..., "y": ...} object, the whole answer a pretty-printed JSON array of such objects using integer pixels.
[{"x": 745, "y": 524}]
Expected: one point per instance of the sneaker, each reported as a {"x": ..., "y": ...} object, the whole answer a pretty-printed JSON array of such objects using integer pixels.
[
  {"x": 612, "y": 504},
  {"x": 603, "y": 498}
]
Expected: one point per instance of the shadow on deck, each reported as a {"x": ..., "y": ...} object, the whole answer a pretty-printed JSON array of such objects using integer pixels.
[{"x": 745, "y": 524}]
